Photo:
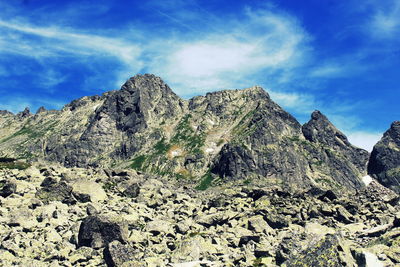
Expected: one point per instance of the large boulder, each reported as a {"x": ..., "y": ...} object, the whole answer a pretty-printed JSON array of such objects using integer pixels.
[
  {"x": 117, "y": 254},
  {"x": 384, "y": 163},
  {"x": 86, "y": 191},
  {"x": 99, "y": 231},
  {"x": 328, "y": 252},
  {"x": 53, "y": 190}
]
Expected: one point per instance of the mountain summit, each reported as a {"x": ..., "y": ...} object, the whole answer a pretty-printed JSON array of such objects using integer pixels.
[{"x": 223, "y": 136}]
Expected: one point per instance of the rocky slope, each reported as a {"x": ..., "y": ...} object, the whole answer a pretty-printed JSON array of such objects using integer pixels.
[
  {"x": 57, "y": 216},
  {"x": 222, "y": 136}
]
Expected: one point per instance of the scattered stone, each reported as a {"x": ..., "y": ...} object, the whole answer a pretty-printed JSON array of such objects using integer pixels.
[{"x": 132, "y": 191}]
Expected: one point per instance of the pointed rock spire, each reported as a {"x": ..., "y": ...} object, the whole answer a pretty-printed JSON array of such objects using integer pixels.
[
  {"x": 40, "y": 110},
  {"x": 320, "y": 130},
  {"x": 25, "y": 113}
]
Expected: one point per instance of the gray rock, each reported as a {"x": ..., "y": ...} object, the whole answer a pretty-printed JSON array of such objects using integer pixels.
[
  {"x": 132, "y": 190},
  {"x": 117, "y": 254},
  {"x": 325, "y": 253},
  {"x": 7, "y": 188},
  {"x": 51, "y": 190},
  {"x": 97, "y": 231}
]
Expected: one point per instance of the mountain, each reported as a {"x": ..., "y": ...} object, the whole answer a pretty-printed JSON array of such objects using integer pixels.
[
  {"x": 384, "y": 164},
  {"x": 221, "y": 137},
  {"x": 113, "y": 180}
]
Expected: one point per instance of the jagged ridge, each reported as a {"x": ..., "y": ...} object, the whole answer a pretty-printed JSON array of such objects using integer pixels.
[{"x": 220, "y": 137}]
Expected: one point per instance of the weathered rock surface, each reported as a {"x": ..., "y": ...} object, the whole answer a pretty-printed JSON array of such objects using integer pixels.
[{"x": 384, "y": 163}]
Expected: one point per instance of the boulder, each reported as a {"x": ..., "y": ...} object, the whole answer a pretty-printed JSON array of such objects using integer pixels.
[
  {"x": 132, "y": 190},
  {"x": 117, "y": 254},
  {"x": 324, "y": 253},
  {"x": 7, "y": 188},
  {"x": 52, "y": 190},
  {"x": 97, "y": 231},
  {"x": 85, "y": 191}
]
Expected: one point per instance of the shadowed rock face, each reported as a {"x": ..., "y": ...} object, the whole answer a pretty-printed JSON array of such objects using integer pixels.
[
  {"x": 384, "y": 163},
  {"x": 279, "y": 147}
]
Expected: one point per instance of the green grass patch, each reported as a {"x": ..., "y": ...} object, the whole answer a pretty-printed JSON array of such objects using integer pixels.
[
  {"x": 206, "y": 181},
  {"x": 161, "y": 147},
  {"x": 10, "y": 163},
  {"x": 186, "y": 136},
  {"x": 32, "y": 132},
  {"x": 247, "y": 181},
  {"x": 109, "y": 185},
  {"x": 137, "y": 163}
]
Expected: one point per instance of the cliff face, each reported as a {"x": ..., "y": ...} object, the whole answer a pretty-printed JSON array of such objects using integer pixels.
[
  {"x": 220, "y": 137},
  {"x": 385, "y": 158}
]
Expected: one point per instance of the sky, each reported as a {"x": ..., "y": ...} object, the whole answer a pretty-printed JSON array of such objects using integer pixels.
[{"x": 341, "y": 57}]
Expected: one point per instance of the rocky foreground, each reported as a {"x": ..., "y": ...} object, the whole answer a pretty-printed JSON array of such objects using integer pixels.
[{"x": 55, "y": 216}]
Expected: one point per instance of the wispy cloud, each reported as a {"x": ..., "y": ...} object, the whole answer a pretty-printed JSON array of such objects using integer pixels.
[
  {"x": 62, "y": 41},
  {"x": 297, "y": 102},
  {"x": 385, "y": 21},
  {"x": 195, "y": 51},
  {"x": 263, "y": 42},
  {"x": 50, "y": 79}
]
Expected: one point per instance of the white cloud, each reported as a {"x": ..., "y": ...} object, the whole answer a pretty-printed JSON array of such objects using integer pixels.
[
  {"x": 385, "y": 21},
  {"x": 329, "y": 70},
  {"x": 299, "y": 103},
  {"x": 262, "y": 43},
  {"x": 50, "y": 79},
  {"x": 43, "y": 43},
  {"x": 365, "y": 140}
]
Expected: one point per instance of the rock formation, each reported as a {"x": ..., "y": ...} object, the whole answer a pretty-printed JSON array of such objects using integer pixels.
[{"x": 385, "y": 158}]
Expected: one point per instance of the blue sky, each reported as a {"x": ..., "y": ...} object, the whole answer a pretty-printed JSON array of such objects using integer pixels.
[{"x": 340, "y": 57}]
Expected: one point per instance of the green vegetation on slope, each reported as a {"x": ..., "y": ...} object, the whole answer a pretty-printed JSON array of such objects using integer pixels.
[
  {"x": 32, "y": 132},
  {"x": 10, "y": 163},
  {"x": 206, "y": 181}
]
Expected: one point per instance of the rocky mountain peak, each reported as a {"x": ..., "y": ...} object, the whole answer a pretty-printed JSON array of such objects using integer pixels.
[
  {"x": 25, "y": 113},
  {"x": 5, "y": 112},
  {"x": 317, "y": 115},
  {"x": 149, "y": 83},
  {"x": 229, "y": 135},
  {"x": 384, "y": 163},
  {"x": 320, "y": 129},
  {"x": 40, "y": 110}
]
